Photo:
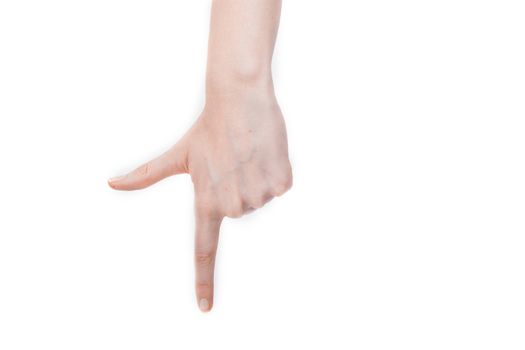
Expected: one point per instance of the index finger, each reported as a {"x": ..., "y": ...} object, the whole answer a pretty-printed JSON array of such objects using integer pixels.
[{"x": 207, "y": 228}]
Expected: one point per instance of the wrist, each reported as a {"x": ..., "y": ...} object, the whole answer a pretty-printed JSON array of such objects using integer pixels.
[{"x": 241, "y": 80}]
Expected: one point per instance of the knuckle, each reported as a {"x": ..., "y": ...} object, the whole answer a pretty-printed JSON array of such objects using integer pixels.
[
  {"x": 283, "y": 184},
  {"x": 143, "y": 170},
  {"x": 203, "y": 287},
  {"x": 259, "y": 202},
  {"x": 204, "y": 259}
]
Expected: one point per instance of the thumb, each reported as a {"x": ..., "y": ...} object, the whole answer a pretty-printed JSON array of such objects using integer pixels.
[{"x": 172, "y": 162}]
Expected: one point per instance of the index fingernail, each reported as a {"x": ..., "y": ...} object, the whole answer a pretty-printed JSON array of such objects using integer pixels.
[{"x": 204, "y": 305}]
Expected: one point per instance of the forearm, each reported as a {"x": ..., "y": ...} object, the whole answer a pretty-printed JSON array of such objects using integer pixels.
[{"x": 241, "y": 42}]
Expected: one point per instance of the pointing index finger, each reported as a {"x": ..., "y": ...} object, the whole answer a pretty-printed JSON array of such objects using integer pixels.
[{"x": 207, "y": 229}]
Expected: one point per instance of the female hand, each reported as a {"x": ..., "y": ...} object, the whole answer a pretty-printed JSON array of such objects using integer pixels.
[
  {"x": 237, "y": 156},
  {"x": 236, "y": 152}
]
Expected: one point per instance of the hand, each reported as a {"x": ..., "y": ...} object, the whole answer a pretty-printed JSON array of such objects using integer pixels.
[{"x": 237, "y": 156}]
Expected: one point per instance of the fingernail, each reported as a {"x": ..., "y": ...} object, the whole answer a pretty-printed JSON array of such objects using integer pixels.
[
  {"x": 204, "y": 305},
  {"x": 115, "y": 179}
]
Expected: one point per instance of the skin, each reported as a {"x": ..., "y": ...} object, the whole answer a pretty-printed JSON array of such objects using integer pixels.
[{"x": 236, "y": 152}]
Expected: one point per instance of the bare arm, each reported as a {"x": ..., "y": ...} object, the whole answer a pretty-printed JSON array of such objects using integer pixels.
[
  {"x": 236, "y": 152},
  {"x": 242, "y": 38}
]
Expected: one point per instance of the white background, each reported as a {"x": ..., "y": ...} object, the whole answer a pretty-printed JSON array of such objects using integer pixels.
[{"x": 405, "y": 226}]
